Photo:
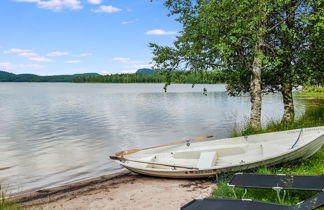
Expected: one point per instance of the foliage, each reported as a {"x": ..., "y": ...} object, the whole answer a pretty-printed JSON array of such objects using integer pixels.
[
  {"x": 216, "y": 35},
  {"x": 210, "y": 77},
  {"x": 267, "y": 45},
  {"x": 313, "y": 56},
  {"x": 313, "y": 89},
  {"x": 224, "y": 35}
]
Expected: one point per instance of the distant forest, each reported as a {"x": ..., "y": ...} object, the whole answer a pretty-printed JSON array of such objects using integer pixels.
[
  {"x": 10, "y": 77},
  {"x": 141, "y": 76},
  {"x": 208, "y": 77}
]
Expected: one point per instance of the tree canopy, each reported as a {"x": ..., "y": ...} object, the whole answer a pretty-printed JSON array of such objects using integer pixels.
[{"x": 263, "y": 45}]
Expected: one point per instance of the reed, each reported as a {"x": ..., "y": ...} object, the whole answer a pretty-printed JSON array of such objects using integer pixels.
[{"x": 5, "y": 204}]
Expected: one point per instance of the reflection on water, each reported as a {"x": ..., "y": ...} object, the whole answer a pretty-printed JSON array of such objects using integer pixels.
[{"x": 51, "y": 134}]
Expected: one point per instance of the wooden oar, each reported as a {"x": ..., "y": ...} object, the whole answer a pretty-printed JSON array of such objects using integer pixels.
[
  {"x": 127, "y": 152},
  {"x": 160, "y": 164}
]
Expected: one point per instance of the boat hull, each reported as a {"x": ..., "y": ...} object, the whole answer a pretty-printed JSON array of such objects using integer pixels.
[{"x": 304, "y": 151}]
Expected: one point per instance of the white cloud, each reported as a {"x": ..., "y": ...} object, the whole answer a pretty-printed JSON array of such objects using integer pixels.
[
  {"x": 137, "y": 66},
  {"x": 12, "y": 66},
  {"x": 94, "y": 1},
  {"x": 83, "y": 55},
  {"x": 161, "y": 32},
  {"x": 107, "y": 9},
  {"x": 129, "y": 22},
  {"x": 141, "y": 66},
  {"x": 73, "y": 61},
  {"x": 132, "y": 65},
  {"x": 128, "y": 71},
  {"x": 32, "y": 1},
  {"x": 16, "y": 50},
  {"x": 121, "y": 60},
  {"x": 57, "y": 53},
  {"x": 56, "y": 5},
  {"x": 28, "y": 54},
  {"x": 39, "y": 59},
  {"x": 104, "y": 72}
]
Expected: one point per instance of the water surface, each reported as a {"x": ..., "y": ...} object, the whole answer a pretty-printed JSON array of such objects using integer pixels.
[{"x": 57, "y": 133}]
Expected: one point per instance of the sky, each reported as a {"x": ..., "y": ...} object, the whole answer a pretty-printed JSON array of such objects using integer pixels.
[{"x": 52, "y": 37}]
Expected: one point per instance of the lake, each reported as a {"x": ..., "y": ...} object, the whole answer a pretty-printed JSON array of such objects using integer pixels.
[{"x": 57, "y": 133}]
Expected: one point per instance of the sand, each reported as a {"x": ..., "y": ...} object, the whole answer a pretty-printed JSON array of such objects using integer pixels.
[{"x": 124, "y": 190}]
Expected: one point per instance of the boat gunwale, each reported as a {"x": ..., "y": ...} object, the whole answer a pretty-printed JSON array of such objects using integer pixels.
[
  {"x": 289, "y": 151},
  {"x": 207, "y": 138}
]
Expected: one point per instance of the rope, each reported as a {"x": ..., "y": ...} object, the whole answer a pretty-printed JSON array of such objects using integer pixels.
[{"x": 301, "y": 130}]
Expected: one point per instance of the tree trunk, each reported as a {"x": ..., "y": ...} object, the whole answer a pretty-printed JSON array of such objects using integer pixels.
[
  {"x": 286, "y": 87},
  {"x": 255, "y": 91},
  {"x": 289, "y": 112},
  {"x": 257, "y": 65}
]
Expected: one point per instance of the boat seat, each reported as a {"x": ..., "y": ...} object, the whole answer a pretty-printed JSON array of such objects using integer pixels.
[
  {"x": 186, "y": 155},
  {"x": 206, "y": 160}
]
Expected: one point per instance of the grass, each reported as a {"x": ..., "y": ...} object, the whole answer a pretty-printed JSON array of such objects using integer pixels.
[
  {"x": 5, "y": 204},
  {"x": 311, "y": 91},
  {"x": 314, "y": 116},
  {"x": 309, "y": 94},
  {"x": 312, "y": 166}
]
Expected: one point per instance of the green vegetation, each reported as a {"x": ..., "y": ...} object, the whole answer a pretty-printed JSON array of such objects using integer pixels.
[
  {"x": 10, "y": 77},
  {"x": 141, "y": 76},
  {"x": 314, "y": 116},
  {"x": 311, "y": 91},
  {"x": 263, "y": 45},
  {"x": 311, "y": 166},
  {"x": 209, "y": 77},
  {"x": 5, "y": 204}
]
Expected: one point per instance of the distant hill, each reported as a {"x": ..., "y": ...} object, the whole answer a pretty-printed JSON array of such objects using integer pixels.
[
  {"x": 10, "y": 77},
  {"x": 6, "y": 74},
  {"x": 145, "y": 71}
]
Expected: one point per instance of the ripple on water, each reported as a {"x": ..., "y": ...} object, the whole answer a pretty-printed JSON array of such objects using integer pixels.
[{"x": 52, "y": 134}]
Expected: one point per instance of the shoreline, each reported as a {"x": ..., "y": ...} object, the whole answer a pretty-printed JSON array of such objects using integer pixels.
[
  {"x": 122, "y": 190},
  {"x": 31, "y": 195}
]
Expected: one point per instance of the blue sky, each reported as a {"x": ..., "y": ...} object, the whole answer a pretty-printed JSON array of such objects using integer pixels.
[{"x": 49, "y": 37}]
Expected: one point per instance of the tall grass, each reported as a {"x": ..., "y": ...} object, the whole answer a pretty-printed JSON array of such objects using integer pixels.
[
  {"x": 314, "y": 116},
  {"x": 5, "y": 204}
]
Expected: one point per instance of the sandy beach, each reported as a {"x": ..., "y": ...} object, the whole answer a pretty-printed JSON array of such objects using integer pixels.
[{"x": 124, "y": 190}]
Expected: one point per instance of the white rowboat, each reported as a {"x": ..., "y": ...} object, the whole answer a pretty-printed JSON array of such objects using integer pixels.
[{"x": 203, "y": 157}]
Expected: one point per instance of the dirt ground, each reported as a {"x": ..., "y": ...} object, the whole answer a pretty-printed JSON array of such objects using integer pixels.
[{"x": 124, "y": 190}]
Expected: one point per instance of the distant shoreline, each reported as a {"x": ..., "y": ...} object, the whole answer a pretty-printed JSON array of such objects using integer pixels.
[{"x": 140, "y": 76}]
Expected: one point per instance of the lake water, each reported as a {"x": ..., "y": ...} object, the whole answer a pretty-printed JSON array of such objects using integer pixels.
[{"x": 56, "y": 133}]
